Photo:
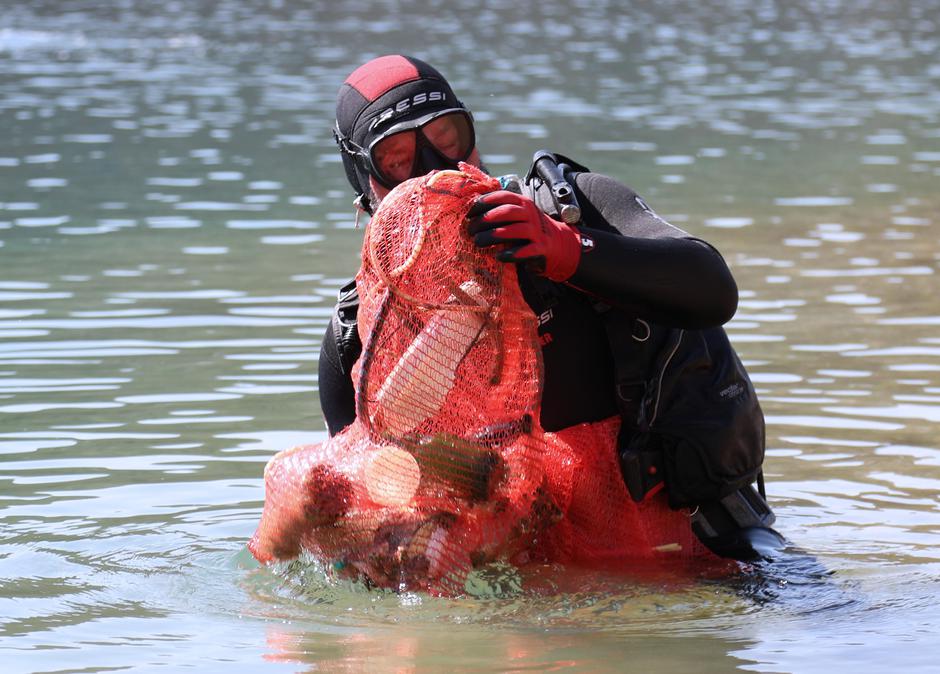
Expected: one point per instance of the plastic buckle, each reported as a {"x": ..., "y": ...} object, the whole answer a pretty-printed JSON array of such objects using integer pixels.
[
  {"x": 640, "y": 472},
  {"x": 748, "y": 509}
]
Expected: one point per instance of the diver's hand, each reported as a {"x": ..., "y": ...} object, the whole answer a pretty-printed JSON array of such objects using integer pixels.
[{"x": 544, "y": 245}]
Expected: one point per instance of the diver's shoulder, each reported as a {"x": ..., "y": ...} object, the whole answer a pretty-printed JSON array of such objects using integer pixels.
[{"x": 598, "y": 185}]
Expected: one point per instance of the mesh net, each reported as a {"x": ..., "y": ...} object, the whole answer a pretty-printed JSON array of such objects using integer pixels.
[{"x": 446, "y": 467}]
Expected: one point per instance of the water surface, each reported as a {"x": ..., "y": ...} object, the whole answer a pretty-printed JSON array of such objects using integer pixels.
[{"x": 174, "y": 224}]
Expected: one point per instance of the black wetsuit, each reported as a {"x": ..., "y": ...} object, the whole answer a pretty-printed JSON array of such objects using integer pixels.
[{"x": 638, "y": 263}]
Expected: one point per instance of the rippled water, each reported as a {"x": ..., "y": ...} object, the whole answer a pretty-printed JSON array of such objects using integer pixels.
[{"x": 174, "y": 223}]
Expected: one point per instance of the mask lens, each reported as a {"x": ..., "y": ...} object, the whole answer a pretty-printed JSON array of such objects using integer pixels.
[
  {"x": 450, "y": 135},
  {"x": 394, "y": 156}
]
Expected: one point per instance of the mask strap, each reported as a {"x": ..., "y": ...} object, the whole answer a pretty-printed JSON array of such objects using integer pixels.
[{"x": 362, "y": 206}]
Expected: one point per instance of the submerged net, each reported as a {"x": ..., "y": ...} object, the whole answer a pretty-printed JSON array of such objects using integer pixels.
[{"x": 446, "y": 467}]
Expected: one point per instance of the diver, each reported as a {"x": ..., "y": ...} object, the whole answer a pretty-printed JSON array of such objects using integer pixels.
[{"x": 629, "y": 306}]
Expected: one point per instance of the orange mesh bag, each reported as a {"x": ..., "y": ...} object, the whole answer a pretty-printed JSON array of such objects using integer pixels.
[
  {"x": 446, "y": 467},
  {"x": 441, "y": 470},
  {"x": 602, "y": 526}
]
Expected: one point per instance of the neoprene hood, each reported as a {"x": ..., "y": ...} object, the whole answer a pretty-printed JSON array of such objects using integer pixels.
[{"x": 382, "y": 92}]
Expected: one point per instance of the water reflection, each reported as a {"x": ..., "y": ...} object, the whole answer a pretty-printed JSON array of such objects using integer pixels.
[
  {"x": 174, "y": 225},
  {"x": 387, "y": 650}
]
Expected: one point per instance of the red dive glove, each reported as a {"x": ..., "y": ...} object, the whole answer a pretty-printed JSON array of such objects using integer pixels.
[{"x": 544, "y": 245}]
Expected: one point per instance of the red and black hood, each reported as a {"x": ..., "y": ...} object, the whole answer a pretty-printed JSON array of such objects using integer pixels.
[{"x": 385, "y": 91}]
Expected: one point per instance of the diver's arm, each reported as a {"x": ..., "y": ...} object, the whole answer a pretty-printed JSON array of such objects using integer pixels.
[
  {"x": 338, "y": 352},
  {"x": 638, "y": 261},
  {"x": 623, "y": 255},
  {"x": 679, "y": 282}
]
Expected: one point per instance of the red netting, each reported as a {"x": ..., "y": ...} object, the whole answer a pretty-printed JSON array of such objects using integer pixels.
[{"x": 446, "y": 467}]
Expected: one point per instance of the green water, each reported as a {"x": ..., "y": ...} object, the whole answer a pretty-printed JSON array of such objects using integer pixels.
[{"x": 174, "y": 223}]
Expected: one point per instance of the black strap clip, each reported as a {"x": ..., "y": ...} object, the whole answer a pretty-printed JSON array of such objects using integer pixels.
[{"x": 641, "y": 471}]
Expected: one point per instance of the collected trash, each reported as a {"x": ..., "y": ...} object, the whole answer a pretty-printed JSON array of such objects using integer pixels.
[{"x": 446, "y": 467}]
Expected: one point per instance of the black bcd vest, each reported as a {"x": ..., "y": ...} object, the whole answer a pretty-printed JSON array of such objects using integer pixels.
[{"x": 689, "y": 412}]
